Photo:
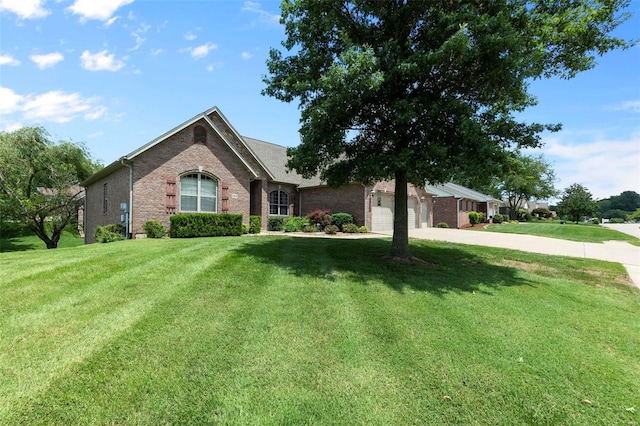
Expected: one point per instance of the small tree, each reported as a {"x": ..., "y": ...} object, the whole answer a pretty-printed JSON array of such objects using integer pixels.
[
  {"x": 577, "y": 203},
  {"x": 39, "y": 181}
]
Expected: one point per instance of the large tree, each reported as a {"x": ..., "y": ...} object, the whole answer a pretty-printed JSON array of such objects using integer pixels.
[
  {"x": 527, "y": 177},
  {"x": 414, "y": 90},
  {"x": 576, "y": 203},
  {"x": 39, "y": 181}
]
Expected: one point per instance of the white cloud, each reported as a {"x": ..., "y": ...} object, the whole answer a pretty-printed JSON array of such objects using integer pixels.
[
  {"x": 263, "y": 16},
  {"x": 25, "y": 9},
  {"x": 246, "y": 55},
  {"x": 190, "y": 36},
  {"x": 9, "y": 101},
  {"x": 9, "y": 60},
  {"x": 100, "y": 61},
  {"x": 47, "y": 60},
  {"x": 606, "y": 166},
  {"x": 156, "y": 52},
  {"x": 100, "y": 10},
  {"x": 201, "y": 51},
  {"x": 138, "y": 36},
  {"x": 12, "y": 127},
  {"x": 60, "y": 107},
  {"x": 632, "y": 106},
  {"x": 54, "y": 106},
  {"x": 111, "y": 21}
]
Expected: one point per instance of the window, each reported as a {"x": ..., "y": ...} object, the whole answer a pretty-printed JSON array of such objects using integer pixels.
[
  {"x": 279, "y": 203},
  {"x": 198, "y": 193},
  {"x": 104, "y": 198}
]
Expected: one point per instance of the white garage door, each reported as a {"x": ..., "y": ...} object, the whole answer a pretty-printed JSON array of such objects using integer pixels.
[
  {"x": 412, "y": 213},
  {"x": 382, "y": 212}
]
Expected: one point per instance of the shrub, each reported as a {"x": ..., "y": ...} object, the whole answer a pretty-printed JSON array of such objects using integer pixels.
[
  {"x": 523, "y": 215},
  {"x": 109, "y": 233},
  {"x": 341, "y": 219},
  {"x": 616, "y": 220},
  {"x": 154, "y": 229},
  {"x": 498, "y": 218},
  {"x": 363, "y": 229},
  {"x": 295, "y": 224},
  {"x": 245, "y": 229},
  {"x": 320, "y": 217},
  {"x": 330, "y": 229},
  {"x": 255, "y": 224},
  {"x": 188, "y": 225},
  {"x": 350, "y": 228},
  {"x": 482, "y": 216},
  {"x": 309, "y": 228},
  {"x": 595, "y": 220},
  {"x": 442, "y": 225},
  {"x": 275, "y": 223},
  {"x": 542, "y": 212},
  {"x": 474, "y": 218}
]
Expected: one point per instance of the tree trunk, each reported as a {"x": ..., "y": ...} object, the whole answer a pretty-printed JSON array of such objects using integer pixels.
[{"x": 400, "y": 243}]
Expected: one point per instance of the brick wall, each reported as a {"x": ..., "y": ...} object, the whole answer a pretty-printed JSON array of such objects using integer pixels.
[
  {"x": 348, "y": 199},
  {"x": 445, "y": 209},
  {"x": 179, "y": 155},
  {"x": 117, "y": 192}
]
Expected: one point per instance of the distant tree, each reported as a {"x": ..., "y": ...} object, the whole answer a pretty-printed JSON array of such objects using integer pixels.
[
  {"x": 576, "y": 203},
  {"x": 39, "y": 181},
  {"x": 527, "y": 177},
  {"x": 412, "y": 90},
  {"x": 627, "y": 201},
  {"x": 635, "y": 216}
]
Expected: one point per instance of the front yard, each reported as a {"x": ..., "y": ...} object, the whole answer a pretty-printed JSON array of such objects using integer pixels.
[{"x": 280, "y": 330}]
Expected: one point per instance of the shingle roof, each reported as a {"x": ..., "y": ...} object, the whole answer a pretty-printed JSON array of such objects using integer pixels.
[
  {"x": 274, "y": 158},
  {"x": 455, "y": 190}
]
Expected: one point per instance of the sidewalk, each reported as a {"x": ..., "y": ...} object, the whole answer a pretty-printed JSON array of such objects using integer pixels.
[{"x": 612, "y": 251}]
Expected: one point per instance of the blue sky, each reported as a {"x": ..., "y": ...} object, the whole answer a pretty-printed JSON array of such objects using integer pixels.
[{"x": 115, "y": 74}]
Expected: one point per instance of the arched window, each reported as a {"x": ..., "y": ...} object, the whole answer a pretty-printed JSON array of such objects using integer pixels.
[
  {"x": 199, "y": 135},
  {"x": 279, "y": 203},
  {"x": 198, "y": 193}
]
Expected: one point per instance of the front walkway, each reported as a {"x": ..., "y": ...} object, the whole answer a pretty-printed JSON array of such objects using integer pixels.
[{"x": 612, "y": 251}]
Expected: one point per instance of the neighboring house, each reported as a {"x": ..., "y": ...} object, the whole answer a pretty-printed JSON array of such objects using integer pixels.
[
  {"x": 204, "y": 165},
  {"x": 453, "y": 203},
  {"x": 528, "y": 205}
]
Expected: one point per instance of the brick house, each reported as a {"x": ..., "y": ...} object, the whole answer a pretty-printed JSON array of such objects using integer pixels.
[
  {"x": 204, "y": 165},
  {"x": 453, "y": 203}
]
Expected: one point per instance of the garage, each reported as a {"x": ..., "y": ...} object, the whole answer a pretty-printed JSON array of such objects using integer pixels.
[{"x": 382, "y": 212}]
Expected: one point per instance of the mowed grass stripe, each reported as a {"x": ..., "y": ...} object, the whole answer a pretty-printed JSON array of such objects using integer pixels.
[
  {"x": 296, "y": 331},
  {"x": 100, "y": 310}
]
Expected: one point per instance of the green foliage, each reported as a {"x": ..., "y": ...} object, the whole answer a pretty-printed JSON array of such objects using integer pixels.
[
  {"x": 442, "y": 225},
  {"x": 576, "y": 203},
  {"x": 188, "y": 225},
  {"x": 474, "y": 218},
  {"x": 12, "y": 229},
  {"x": 109, "y": 233},
  {"x": 349, "y": 228},
  {"x": 616, "y": 220},
  {"x": 635, "y": 216},
  {"x": 498, "y": 218},
  {"x": 39, "y": 181},
  {"x": 309, "y": 228},
  {"x": 595, "y": 221},
  {"x": 319, "y": 217},
  {"x": 295, "y": 224},
  {"x": 376, "y": 103},
  {"x": 542, "y": 212},
  {"x": 482, "y": 217},
  {"x": 627, "y": 201},
  {"x": 363, "y": 230},
  {"x": 245, "y": 229},
  {"x": 331, "y": 229},
  {"x": 255, "y": 224},
  {"x": 523, "y": 215},
  {"x": 154, "y": 229},
  {"x": 617, "y": 213},
  {"x": 341, "y": 219},
  {"x": 276, "y": 223}
]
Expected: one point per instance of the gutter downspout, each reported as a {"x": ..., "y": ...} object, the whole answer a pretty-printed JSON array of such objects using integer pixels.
[{"x": 130, "y": 208}]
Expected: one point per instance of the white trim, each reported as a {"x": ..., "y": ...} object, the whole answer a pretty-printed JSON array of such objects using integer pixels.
[{"x": 223, "y": 137}]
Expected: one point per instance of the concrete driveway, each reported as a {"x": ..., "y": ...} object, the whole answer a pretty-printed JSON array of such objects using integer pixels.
[
  {"x": 628, "y": 228},
  {"x": 612, "y": 251}
]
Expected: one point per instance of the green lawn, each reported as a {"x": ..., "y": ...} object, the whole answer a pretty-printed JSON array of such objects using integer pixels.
[
  {"x": 32, "y": 242},
  {"x": 583, "y": 232},
  {"x": 280, "y": 330}
]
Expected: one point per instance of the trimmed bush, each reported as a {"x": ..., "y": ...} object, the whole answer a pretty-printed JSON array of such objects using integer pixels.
[
  {"x": 309, "y": 228},
  {"x": 363, "y": 230},
  {"x": 474, "y": 218},
  {"x": 188, "y": 225},
  {"x": 616, "y": 220},
  {"x": 275, "y": 223},
  {"x": 255, "y": 224},
  {"x": 498, "y": 218},
  {"x": 320, "y": 217},
  {"x": 542, "y": 212},
  {"x": 109, "y": 233},
  {"x": 245, "y": 229},
  {"x": 442, "y": 225},
  {"x": 349, "y": 228},
  {"x": 341, "y": 219},
  {"x": 482, "y": 216},
  {"x": 330, "y": 229},
  {"x": 295, "y": 224},
  {"x": 523, "y": 215},
  {"x": 154, "y": 229}
]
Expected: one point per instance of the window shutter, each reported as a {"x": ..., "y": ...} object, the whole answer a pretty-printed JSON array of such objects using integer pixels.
[
  {"x": 225, "y": 197},
  {"x": 171, "y": 196}
]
